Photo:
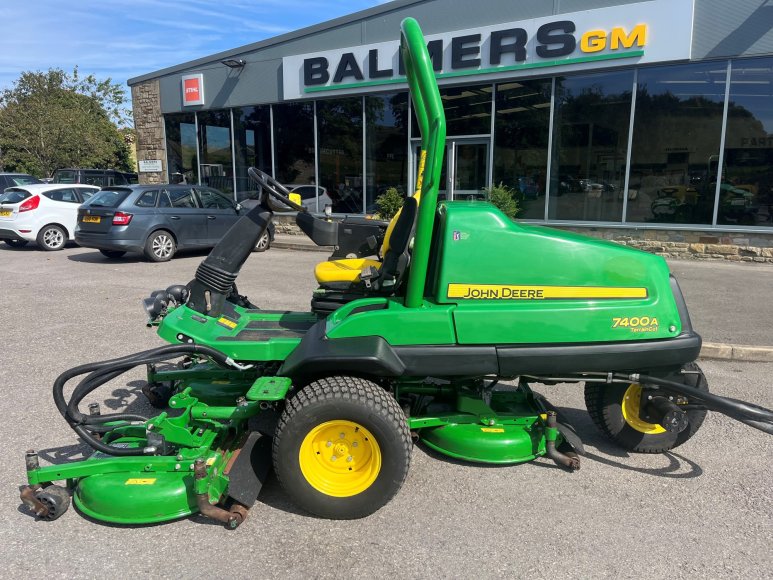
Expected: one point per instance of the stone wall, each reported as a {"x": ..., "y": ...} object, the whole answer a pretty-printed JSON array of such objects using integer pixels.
[
  {"x": 148, "y": 123},
  {"x": 691, "y": 245}
]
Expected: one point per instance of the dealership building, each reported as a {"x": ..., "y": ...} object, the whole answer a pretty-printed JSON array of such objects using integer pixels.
[{"x": 646, "y": 122}]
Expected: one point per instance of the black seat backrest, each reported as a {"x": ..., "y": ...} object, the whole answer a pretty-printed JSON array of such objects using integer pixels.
[{"x": 397, "y": 256}]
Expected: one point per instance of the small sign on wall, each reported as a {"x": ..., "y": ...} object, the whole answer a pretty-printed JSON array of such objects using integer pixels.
[
  {"x": 193, "y": 89},
  {"x": 150, "y": 166}
]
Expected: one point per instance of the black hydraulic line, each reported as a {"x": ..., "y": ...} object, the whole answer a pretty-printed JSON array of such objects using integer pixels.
[
  {"x": 102, "y": 419},
  {"x": 101, "y": 373},
  {"x": 747, "y": 413},
  {"x": 713, "y": 402}
]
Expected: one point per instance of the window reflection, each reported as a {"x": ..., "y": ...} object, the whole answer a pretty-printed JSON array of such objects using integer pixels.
[
  {"x": 387, "y": 135},
  {"x": 339, "y": 138},
  {"x": 294, "y": 144},
  {"x": 521, "y": 142},
  {"x": 252, "y": 144},
  {"x": 468, "y": 111},
  {"x": 677, "y": 132},
  {"x": 746, "y": 190},
  {"x": 215, "y": 160},
  {"x": 590, "y": 140},
  {"x": 181, "y": 148}
]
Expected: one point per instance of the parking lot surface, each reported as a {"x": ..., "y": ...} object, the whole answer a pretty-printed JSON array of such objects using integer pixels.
[{"x": 702, "y": 511}]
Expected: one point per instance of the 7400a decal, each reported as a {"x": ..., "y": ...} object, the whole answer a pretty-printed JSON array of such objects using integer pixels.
[{"x": 636, "y": 323}]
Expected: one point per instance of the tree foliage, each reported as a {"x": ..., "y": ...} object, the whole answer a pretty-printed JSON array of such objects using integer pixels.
[
  {"x": 389, "y": 203},
  {"x": 504, "y": 198},
  {"x": 56, "y": 119}
]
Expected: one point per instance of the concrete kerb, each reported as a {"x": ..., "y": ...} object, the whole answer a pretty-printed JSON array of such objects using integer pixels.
[{"x": 736, "y": 352}]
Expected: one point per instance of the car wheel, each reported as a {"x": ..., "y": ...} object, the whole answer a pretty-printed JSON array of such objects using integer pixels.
[
  {"x": 160, "y": 246},
  {"x": 52, "y": 238},
  {"x": 264, "y": 243},
  {"x": 112, "y": 254},
  {"x": 16, "y": 243}
]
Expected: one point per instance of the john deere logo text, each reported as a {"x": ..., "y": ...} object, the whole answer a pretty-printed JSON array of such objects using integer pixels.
[{"x": 508, "y": 292}]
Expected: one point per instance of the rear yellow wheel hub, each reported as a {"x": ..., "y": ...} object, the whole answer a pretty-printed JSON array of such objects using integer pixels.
[
  {"x": 631, "y": 406},
  {"x": 340, "y": 458}
]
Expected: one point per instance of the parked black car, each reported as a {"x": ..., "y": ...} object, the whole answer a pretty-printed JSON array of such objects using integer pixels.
[
  {"x": 98, "y": 177},
  {"x": 157, "y": 220},
  {"x": 14, "y": 179}
]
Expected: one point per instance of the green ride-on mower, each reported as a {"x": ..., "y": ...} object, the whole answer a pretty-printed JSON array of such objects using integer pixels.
[{"x": 438, "y": 340}]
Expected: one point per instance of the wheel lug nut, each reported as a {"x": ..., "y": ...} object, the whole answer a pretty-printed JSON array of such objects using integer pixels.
[
  {"x": 355, "y": 444},
  {"x": 329, "y": 444},
  {"x": 333, "y": 458},
  {"x": 348, "y": 459},
  {"x": 342, "y": 435}
]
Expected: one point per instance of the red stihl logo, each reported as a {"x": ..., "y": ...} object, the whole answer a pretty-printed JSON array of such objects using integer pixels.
[{"x": 192, "y": 90}]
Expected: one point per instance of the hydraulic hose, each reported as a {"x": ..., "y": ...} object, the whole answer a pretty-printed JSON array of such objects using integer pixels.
[
  {"x": 747, "y": 413},
  {"x": 102, "y": 372}
]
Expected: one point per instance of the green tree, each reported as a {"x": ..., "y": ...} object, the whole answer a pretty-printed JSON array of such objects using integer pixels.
[
  {"x": 389, "y": 203},
  {"x": 504, "y": 198},
  {"x": 57, "y": 119}
]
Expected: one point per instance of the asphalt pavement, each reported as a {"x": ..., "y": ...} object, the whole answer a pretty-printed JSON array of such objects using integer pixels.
[{"x": 704, "y": 510}]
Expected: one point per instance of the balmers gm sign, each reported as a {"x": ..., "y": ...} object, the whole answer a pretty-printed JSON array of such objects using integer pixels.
[{"x": 646, "y": 32}]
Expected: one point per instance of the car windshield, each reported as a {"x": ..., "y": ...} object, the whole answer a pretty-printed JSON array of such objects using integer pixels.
[
  {"x": 64, "y": 176},
  {"x": 14, "y": 196},
  {"x": 24, "y": 179},
  {"x": 108, "y": 198}
]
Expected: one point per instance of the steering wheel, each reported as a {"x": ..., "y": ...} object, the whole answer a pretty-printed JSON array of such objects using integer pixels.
[{"x": 274, "y": 188}]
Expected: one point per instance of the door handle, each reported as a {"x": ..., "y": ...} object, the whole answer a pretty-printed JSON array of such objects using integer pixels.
[
  {"x": 211, "y": 217},
  {"x": 174, "y": 217}
]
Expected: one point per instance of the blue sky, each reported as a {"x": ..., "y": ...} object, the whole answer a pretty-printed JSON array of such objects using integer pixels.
[{"x": 121, "y": 39}]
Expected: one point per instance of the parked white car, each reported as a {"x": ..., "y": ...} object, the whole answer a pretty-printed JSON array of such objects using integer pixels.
[
  {"x": 309, "y": 194},
  {"x": 45, "y": 213}
]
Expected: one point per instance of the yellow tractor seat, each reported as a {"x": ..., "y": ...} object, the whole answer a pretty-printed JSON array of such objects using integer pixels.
[{"x": 348, "y": 270}]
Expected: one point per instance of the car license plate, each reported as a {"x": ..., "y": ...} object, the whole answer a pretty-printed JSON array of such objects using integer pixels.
[
  {"x": 91, "y": 219},
  {"x": 6, "y": 212}
]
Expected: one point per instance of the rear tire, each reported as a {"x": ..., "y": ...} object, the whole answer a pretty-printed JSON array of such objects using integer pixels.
[
  {"x": 112, "y": 254},
  {"x": 16, "y": 243},
  {"x": 52, "y": 238},
  {"x": 342, "y": 448},
  {"x": 160, "y": 246},
  {"x": 607, "y": 406},
  {"x": 264, "y": 243}
]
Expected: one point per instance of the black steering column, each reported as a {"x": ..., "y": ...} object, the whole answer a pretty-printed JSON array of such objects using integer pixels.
[{"x": 215, "y": 276}]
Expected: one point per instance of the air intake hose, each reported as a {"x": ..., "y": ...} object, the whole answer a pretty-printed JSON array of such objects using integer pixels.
[{"x": 215, "y": 276}]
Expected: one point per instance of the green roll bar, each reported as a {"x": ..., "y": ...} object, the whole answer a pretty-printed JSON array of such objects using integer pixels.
[{"x": 432, "y": 125}]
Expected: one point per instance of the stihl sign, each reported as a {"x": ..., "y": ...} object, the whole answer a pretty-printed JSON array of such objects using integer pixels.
[{"x": 193, "y": 89}]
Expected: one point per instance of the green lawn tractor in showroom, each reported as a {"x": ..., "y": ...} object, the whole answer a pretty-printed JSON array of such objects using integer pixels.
[{"x": 438, "y": 339}]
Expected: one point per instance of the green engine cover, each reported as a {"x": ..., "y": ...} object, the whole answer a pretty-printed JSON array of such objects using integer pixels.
[{"x": 518, "y": 284}]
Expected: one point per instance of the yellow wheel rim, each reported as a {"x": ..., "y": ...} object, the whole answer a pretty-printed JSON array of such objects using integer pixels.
[
  {"x": 630, "y": 405},
  {"x": 340, "y": 458}
]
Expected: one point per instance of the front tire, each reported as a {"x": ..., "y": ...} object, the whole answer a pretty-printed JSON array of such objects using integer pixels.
[
  {"x": 614, "y": 408},
  {"x": 52, "y": 238},
  {"x": 342, "y": 448},
  {"x": 160, "y": 246},
  {"x": 16, "y": 243}
]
